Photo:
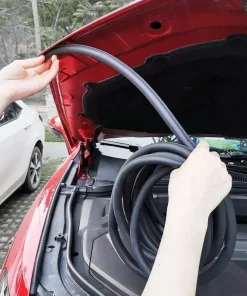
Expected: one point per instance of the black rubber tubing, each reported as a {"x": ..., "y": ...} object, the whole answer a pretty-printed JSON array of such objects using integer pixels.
[
  {"x": 221, "y": 234},
  {"x": 136, "y": 79}
]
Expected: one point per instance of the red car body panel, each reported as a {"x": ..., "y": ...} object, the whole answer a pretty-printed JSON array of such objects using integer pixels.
[
  {"x": 128, "y": 35},
  {"x": 21, "y": 257}
]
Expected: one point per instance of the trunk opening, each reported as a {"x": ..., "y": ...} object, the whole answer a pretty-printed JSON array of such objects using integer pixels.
[{"x": 87, "y": 244}]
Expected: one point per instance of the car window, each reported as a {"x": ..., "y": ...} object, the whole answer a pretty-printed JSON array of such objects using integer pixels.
[{"x": 11, "y": 113}]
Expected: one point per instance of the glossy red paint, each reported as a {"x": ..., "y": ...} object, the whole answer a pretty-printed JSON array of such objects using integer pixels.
[
  {"x": 22, "y": 254},
  {"x": 132, "y": 36},
  {"x": 127, "y": 34}
]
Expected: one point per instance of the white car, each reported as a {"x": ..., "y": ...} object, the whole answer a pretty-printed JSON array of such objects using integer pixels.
[{"x": 22, "y": 135}]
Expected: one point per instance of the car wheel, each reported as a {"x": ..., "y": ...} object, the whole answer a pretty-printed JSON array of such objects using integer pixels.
[{"x": 34, "y": 171}]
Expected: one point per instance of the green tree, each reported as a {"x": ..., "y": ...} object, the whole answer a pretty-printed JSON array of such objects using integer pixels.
[
  {"x": 57, "y": 18},
  {"x": 61, "y": 17},
  {"x": 105, "y": 6},
  {"x": 88, "y": 11},
  {"x": 16, "y": 30},
  {"x": 85, "y": 13}
]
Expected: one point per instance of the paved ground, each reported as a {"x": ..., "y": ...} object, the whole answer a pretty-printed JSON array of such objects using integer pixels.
[
  {"x": 15, "y": 208},
  {"x": 55, "y": 150}
]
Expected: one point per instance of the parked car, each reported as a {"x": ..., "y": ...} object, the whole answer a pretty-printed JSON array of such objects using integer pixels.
[
  {"x": 21, "y": 148},
  {"x": 194, "y": 55}
]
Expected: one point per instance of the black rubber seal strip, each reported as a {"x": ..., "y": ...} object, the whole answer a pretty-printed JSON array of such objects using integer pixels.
[{"x": 136, "y": 80}]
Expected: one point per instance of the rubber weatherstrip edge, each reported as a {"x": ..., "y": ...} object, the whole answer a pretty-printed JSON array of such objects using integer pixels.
[
  {"x": 43, "y": 239},
  {"x": 86, "y": 285}
]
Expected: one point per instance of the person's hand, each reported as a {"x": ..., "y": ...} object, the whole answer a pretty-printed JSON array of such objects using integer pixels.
[
  {"x": 200, "y": 184},
  {"x": 23, "y": 78}
]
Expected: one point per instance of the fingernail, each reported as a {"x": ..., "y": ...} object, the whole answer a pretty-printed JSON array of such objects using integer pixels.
[{"x": 54, "y": 58}]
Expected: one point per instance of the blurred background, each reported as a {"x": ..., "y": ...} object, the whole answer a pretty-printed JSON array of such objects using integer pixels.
[
  {"x": 26, "y": 28},
  {"x": 29, "y": 26}
]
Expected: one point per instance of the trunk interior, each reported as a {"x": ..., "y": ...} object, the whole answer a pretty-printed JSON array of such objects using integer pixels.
[
  {"x": 82, "y": 248},
  {"x": 205, "y": 87}
]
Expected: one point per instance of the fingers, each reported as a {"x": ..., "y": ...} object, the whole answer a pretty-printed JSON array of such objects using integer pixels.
[
  {"x": 44, "y": 67},
  {"x": 217, "y": 158},
  {"x": 214, "y": 153},
  {"x": 226, "y": 185},
  {"x": 174, "y": 173},
  {"x": 201, "y": 149},
  {"x": 31, "y": 63},
  {"x": 35, "y": 83},
  {"x": 229, "y": 183},
  {"x": 203, "y": 145},
  {"x": 51, "y": 73},
  {"x": 223, "y": 165}
]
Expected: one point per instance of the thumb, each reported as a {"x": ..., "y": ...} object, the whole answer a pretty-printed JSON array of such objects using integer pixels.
[
  {"x": 196, "y": 155},
  {"x": 204, "y": 145}
]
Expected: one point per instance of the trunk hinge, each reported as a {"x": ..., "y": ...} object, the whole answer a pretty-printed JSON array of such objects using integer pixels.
[{"x": 86, "y": 155}]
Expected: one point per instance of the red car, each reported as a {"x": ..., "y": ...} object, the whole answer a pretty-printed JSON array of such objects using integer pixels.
[{"x": 77, "y": 238}]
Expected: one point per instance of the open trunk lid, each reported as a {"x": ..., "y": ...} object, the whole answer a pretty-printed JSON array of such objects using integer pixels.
[{"x": 193, "y": 53}]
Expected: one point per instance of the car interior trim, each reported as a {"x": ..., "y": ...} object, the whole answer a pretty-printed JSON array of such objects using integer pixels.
[{"x": 43, "y": 238}]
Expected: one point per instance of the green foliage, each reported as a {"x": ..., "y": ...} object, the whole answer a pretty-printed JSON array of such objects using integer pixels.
[
  {"x": 49, "y": 36},
  {"x": 61, "y": 17},
  {"x": 88, "y": 12},
  {"x": 2, "y": 20},
  {"x": 49, "y": 137},
  {"x": 105, "y": 6},
  {"x": 16, "y": 30},
  {"x": 58, "y": 18},
  {"x": 85, "y": 12}
]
